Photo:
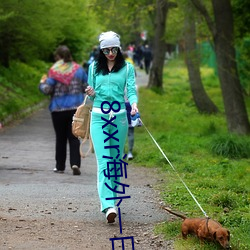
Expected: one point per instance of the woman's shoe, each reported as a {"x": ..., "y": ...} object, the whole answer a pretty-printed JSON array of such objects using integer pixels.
[
  {"x": 130, "y": 156},
  {"x": 111, "y": 214}
]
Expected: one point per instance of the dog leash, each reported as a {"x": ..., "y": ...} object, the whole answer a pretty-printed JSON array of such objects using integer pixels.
[{"x": 175, "y": 170}]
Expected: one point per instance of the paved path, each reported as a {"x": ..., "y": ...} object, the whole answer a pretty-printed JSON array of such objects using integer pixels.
[
  {"x": 141, "y": 78},
  {"x": 31, "y": 191}
]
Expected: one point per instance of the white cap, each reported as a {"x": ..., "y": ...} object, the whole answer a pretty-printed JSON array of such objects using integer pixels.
[{"x": 109, "y": 39}]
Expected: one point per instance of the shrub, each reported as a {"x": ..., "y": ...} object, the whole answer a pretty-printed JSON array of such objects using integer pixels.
[
  {"x": 223, "y": 200},
  {"x": 231, "y": 146}
]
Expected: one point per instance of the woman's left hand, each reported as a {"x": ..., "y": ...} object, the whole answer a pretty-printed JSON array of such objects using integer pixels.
[
  {"x": 90, "y": 91},
  {"x": 134, "y": 109}
]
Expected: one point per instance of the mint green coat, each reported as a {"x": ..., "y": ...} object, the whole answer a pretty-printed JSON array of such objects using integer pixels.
[{"x": 110, "y": 88}]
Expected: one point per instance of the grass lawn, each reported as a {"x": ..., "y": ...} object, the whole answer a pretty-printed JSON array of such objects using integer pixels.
[
  {"x": 214, "y": 164},
  {"x": 19, "y": 88}
]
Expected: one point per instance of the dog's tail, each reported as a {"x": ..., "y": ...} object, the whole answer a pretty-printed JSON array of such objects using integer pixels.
[{"x": 175, "y": 213}]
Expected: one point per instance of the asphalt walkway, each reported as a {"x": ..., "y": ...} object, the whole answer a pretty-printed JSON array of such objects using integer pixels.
[{"x": 31, "y": 190}]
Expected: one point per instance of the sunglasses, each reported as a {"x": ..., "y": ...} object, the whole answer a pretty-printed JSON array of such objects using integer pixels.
[{"x": 106, "y": 51}]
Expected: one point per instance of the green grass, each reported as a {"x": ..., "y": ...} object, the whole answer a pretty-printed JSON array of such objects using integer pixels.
[
  {"x": 214, "y": 164},
  {"x": 19, "y": 88}
]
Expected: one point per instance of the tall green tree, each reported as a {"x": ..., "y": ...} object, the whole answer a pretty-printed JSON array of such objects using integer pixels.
[
  {"x": 202, "y": 101},
  {"x": 159, "y": 45},
  {"x": 25, "y": 31},
  {"x": 126, "y": 17},
  {"x": 28, "y": 33},
  {"x": 221, "y": 27},
  {"x": 241, "y": 18},
  {"x": 242, "y": 33}
]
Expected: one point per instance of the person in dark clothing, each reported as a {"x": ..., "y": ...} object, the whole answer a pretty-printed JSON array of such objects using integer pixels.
[
  {"x": 138, "y": 56},
  {"x": 93, "y": 55},
  {"x": 65, "y": 83},
  {"x": 147, "y": 54}
]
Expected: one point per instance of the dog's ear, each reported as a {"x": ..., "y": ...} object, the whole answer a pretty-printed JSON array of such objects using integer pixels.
[
  {"x": 214, "y": 235},
  {"x": 228, "y": 237}
]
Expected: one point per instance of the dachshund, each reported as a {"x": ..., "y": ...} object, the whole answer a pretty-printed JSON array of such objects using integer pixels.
[{"x": 204, "y": 229}]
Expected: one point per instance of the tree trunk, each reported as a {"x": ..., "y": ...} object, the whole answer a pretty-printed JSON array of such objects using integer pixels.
[
  {"x": 235, "y": 109},
  {"x": 159, "y": 47},
  {"x": 201, "y": 99},
  {"x": 223, "y": 38}
]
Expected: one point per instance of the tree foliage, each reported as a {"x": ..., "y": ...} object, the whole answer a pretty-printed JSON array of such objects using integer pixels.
[
  {"x": 242, "y": 35},
  {"x": 175, "y": 25},
  {"x": 28, "y": 33},
  {"x": 241, "y": 18},
  {"x": 126, "y": 17},
  {"x": 33, "y": 29}
]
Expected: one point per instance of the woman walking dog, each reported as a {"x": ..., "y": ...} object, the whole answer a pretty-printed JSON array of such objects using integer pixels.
[{"x": 108, "y": 78}]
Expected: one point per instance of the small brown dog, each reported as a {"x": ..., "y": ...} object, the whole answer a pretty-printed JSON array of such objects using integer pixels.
[{"x": 204, "y": 229}]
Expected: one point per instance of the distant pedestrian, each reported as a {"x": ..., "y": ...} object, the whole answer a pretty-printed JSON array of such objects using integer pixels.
[
  {"x": 93, "y": 55},
  {"x": 130, "y": 132},
  {"x": 147, "y": 55},
  {"x": 65, "y": 84},
  {"x": 138, "y": 56},
  {"x": 128, "y": 108}
]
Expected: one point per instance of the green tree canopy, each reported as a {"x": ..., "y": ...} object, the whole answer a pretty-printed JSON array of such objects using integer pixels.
[
  {"x": 28, "y": 33},
  {"x": 126, "y": 17}
]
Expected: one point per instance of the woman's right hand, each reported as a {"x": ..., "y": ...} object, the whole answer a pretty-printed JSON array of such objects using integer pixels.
[
  {"x": 90, "y": 91},
  {"x": 134, "y": 109},
  {"x": 43, "y": 79}
]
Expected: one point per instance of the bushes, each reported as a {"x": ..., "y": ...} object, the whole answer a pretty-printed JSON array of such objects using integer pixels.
[
  {"x": 19, "y": 88},
  {"x": 231, "y": 146}
]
